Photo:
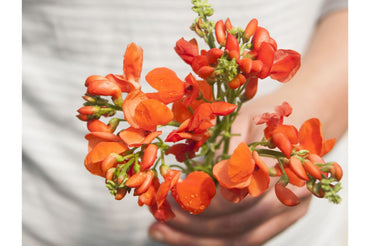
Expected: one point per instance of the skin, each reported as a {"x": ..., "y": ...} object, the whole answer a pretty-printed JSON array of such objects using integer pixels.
[{"x": 256, "y": 220}]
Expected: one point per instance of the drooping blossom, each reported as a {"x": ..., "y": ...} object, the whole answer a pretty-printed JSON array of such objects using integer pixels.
[
  {"x": 102, "y": 150},
  {"x": 244, "y": 173},
  {"x": 195, "y": 192}
]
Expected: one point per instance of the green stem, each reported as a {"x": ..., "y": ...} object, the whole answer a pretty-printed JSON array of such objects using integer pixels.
[{"x": 270, "y": 153}]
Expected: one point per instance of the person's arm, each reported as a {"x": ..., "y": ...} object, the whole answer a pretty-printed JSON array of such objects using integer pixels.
[{"x": 318, "y": 90}]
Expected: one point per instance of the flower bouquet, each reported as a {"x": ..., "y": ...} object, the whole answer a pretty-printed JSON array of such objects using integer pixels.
[{"x": 200, "y": 110}]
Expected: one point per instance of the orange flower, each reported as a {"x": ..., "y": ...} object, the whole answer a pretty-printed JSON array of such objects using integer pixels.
[
  {"x": 260, "y": 178},
  {"x": 170, "y": 88},
  {"x": 311, "y": 138},
  {"x": 274, "y": 119},
  {"x": 102, "y": 150},
  {"x": 241, "y": 165},
  {"x": 283, "y": 136},
  {"x": 266, "y": 55},
  {"x": 144, "y": 186},
  {"x": 286, "y": 196},
  {"x": 213, "y": 55},
  {"x": 98, "y": 126},
  {"x": 164, "y": 213},
  {"x": 135, "y": 137},
  {"x": 101, "y": 86},
  {"x": 187, "y": 50},
  {"x": 262, "y": 35},
  {"x": 132, "y": 66},
  {"x": 96, "y": 137},
  {"x": 152, "y": 193},
  {"x": 148, "y": 197},
  {"x": 199, "y": 62},
  {"x": 286, "y": 64},
  {"x": 142, "y": 112},
  {"x": 195, "y": 192},
  {"x": 243, "y": 173},
  {"x": 180, "y": 111},
  {"x": 204, "y": 116},
  {"x": 193, "y": 89},
  {"x": 170, "y": 180}
]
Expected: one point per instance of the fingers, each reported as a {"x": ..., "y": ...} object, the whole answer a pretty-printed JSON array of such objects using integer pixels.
[
  {"x": 256, "y": 236},
  {"x": 166, "y": 234},
  {"x": 274, "y": 226},
  {"x": 237, "y": 222}
]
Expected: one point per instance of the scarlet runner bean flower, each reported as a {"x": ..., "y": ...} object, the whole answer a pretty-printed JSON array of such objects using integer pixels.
[
  {"x": 132, "y": 66},
  {"x": 203, "y": 108},
  {"x": 303, "y": 149},
  {"x": 244, "y": 173}
]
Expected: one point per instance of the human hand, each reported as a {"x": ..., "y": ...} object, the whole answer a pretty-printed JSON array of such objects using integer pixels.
[{"x": 250, "y": 222}]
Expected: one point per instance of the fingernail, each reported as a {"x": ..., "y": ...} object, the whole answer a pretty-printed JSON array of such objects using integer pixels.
[{"x": 157, "y": 235}]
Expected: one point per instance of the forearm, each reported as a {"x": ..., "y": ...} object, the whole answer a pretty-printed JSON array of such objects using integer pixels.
[{"x": 319, "y": 89}]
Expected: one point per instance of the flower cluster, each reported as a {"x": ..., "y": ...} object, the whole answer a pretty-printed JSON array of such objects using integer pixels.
[
  {"x": 299, "y": 162},
  {"x": 200, "y": 109}
]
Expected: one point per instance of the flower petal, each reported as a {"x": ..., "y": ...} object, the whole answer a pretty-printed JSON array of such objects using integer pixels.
[
  {"x": 310, "y": 136},
  {"x": 171, "y": 179},
  {"x": 170, "y": 88},
  {"x": 124, "y": 84},
  {"x": 187, "y": 50},
  {"x": 266, "y": 55},
  {"x": 99, "y": 153},
  {"x": 297, "y": 167},
  {"x": 129, "y": 105},
  {"x": 201, "y": 119},
  {"x": 194, "y": 194},
  {"x": 259, "y": 183},
  {"x": 286, "y": 64},
  {"x": 182, "y": 151},
  {"x": 180, "y": 111},
  {"x": 289, "y": 131},
  {"x": 132, "y": 136},
  {"x": 286, "y": 196},
  {"x": 241, "y": 164},
  {"x": 133, "y": 62},
  {"x": 220, "y": 173},
  {"x": 96, "y": 137},
  {"x": 222, "y": 108},
  {"x": 150, "y": 155},
  {"x": 164, "y": 213},
  {"x": 233, "y": 195},
  {"x": 259, "y": 162},
  {"x": 293, "y": 178},
  {"x": 327, "y": 145},
  {"x": 150, "y": 113}
]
